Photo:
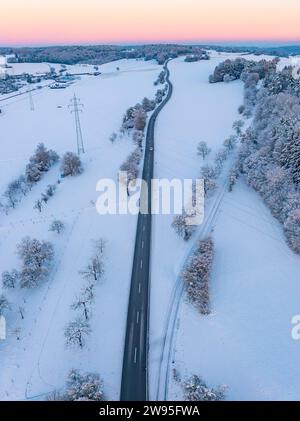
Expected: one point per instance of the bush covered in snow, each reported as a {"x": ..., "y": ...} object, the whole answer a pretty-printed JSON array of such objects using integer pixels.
[
  {"x": 81, "y": 387},
  {"x": 131, "y": 166},
  {"x": 196, "y": 276},
  {"x": 39, "y": 163},
  {"x": 136, "y": 117},
  {"x": 182, "y": 227},
  {"x": 148, "y": 105},
  {"x": 159, "y": 95},
  {"x": 209, "y": 175},
  {"x": 37, "y": 257},
  {"x": 201, "y": 55},
  {"x": 140, "y": 118},
  {"x": 10, "y": 279},
  {"x": 161, "y": 78},
  {"x": 196, "y": 390},
  {"x": 233, "y": 177},
  {"x": 71, "y": 164}
]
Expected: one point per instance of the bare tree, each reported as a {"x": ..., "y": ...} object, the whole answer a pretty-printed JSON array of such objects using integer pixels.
[
  {"x": 22, "y": 312},
  {"x": 230, "y": 143},
  {"x": 38, "y": 205},
  {"x": 4, "y": 304},
  {"x": 12, "y": 193},
  {"x": 203, "y": 149},
  {"x": 76, "y": 331},
  {"x": 57, "y": 226},
  {"x": 94, "y": 270},
  {"x": 84, "y": 301}
]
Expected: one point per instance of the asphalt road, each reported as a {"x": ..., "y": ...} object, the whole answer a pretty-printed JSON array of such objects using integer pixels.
[{"x": 134, "y": 386}]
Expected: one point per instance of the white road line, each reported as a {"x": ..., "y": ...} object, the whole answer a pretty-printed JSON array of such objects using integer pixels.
[
  {"x": 135, "y": 352},
  {"x": 142, "y": 244},
  {"x": 143, "y": 227},
  {"x": 139, "y": 288},
  {"x": 137, "y": 317},
  {"x": 141, "y": 264}
]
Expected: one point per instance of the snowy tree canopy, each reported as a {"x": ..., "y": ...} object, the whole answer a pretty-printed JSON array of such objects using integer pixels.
[
  {"x": 83, "y": 387},
  {"x": 196, "y": 390},
  {"x": 71, "y": 164},
  {"x": 37, "y": 257}
]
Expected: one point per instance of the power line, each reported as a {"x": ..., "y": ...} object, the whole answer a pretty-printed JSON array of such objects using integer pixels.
[{"x": 76, "y": 107}]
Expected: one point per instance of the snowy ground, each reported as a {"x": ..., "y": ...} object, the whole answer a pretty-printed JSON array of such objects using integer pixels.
[
  {"x": 197, "y": 111},
  {"x": 246, "y": 343},
  {"x": 39, "y": 361}
]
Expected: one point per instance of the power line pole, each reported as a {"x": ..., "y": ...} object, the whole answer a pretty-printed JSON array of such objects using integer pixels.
[
  {"x": 30, "y": 100},
  {"x": 76, "y": 107}
]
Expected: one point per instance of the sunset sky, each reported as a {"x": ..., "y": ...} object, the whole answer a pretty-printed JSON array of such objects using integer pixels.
[{"x": 34, "y": 22}]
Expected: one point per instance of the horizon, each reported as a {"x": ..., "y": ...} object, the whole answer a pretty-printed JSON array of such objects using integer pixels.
[{"x": 236, "y": 43}]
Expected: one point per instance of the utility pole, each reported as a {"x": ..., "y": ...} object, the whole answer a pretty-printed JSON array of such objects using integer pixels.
[
  {"x": 76, "y": 107},
  {"x": 30, "y": 100}
]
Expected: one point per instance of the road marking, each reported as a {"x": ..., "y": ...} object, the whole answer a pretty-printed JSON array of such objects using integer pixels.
[
  {"x": 141, "y": 264},
  {"x": 137, "y": 317},
  {"x": 143, "y": 227},
  {"x": 142, "y": 244},
  {"x": 139, "y": 288},
  {"x": 135, "y": 352}
]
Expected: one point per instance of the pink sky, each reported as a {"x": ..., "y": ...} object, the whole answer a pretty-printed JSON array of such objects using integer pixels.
[{"x": 96, "y": 21}]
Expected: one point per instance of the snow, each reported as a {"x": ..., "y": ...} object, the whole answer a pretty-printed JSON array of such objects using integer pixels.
[
  {"x": 196, "y": 111},
  {"x": 246, "y": 342},
  {"x": 39, "y": 362}
]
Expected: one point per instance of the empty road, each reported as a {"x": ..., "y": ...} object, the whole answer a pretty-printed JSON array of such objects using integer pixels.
[{"x": 134, "y": 385}]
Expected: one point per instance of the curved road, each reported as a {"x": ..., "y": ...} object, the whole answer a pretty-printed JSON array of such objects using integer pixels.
[{"x": 134, "y": 385}]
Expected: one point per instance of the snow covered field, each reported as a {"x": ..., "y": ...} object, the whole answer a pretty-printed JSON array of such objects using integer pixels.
[
  {"x": 197, "y": 111},
  {"x": 246, "y": 342},
  {"x": 39, "y": 361}
]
